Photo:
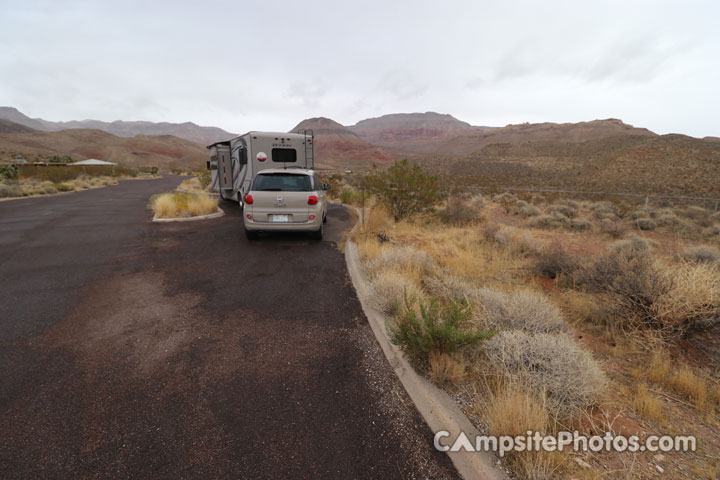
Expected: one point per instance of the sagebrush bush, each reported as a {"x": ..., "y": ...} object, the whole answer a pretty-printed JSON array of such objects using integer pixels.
[
  {"x": 525, "y": 210},
  {"x": 564, "y": 210},
  {"x": 449, "y": 288},
  {"x": 580, "y": 225},
  {"x": 518, "y": 241},
  {"x": 646, "y": 224},
  {"x": 520, "y": 310},
  {"x": 437, "y": 330},
  {"x": 551, "y": 365},
  {"x": 548, "y": 221},
  {"x": 696, "y": 213},
  {"x": 554, "y": 260},
  {"x": 7, "y": 191},
  {"x": 613, "y": 228},
  {"x": 701, "y": 253},
  {"x": 402, "y": 258},
  {"x": 460, "y": 212}
]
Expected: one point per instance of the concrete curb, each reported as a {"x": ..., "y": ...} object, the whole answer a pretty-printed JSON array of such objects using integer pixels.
[
  {"x": 218, "y": 214},
  {"x": 437, "y": 408}
]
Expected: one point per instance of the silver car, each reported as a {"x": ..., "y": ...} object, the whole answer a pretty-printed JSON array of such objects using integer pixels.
[{"x": 286, "y": 199}]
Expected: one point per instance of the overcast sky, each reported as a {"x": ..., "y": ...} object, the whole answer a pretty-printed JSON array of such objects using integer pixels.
[{"x": 266, "y": 65}]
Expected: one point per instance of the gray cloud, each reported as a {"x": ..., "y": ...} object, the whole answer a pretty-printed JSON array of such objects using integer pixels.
[{"x": 268, "y": 65}]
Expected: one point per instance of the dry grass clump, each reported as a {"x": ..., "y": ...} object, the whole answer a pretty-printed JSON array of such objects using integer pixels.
[
  {"x": 448, "y": 287},
  {"x": 554, "y": 261},
  {"x": 580, "y": 225},
  {"x": 512, "y": 409},
  {"x": 551, "y": 365},
  {"x": 563, "y": 209},
  {"x": 519, "y": 241},
  {"x": 417, "y": 264},
  {"x": 646, "y": 224},
  {"x": 696, "y": 213},
  {"x": 174, "y": 205},
  {"x": 613, "y": 228},
  {"x": 446, "y": 369},
  {"x": 458, "y": 211},
  {"x": 658, "y": 367},
  {"x": 390, "y": 287},
  {"x": 701, "y": 254},
  {"x": 686, "y": 382},
  {"x": 646, "y": 404},
  {"x": 604, "y": 210},
  {"x": 693, "y": 301},
  {"x": 526, "y": 210},
  {"x": 525, "y": 310},
  {"x": 553, "y": 221}
]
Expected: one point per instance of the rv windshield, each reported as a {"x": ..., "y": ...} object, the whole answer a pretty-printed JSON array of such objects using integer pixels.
[{"x": 281, "y": 182}]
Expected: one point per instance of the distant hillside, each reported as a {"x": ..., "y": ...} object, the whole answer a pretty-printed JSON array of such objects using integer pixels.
[
  {"x": 667, "y": 164},
  {"x": 6, "y": 126},
  {"x": 336, "y": 147},
  {"x": 188, "y": 130},
  {"x": 162, "y": 151},
  {"x": 411, "y": 132}
]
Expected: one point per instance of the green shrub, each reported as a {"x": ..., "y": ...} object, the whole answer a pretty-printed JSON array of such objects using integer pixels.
[
  {"x": 63, "y": 187},
  {"x": 437, "y": 330},
  {"x": 8, "y": 171},
  {"x": 405, "y": 190}
]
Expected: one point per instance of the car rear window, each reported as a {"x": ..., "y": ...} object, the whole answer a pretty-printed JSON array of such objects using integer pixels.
[
  {"x": 285, "y": 155},
  {"x": 282, "y": 182}
]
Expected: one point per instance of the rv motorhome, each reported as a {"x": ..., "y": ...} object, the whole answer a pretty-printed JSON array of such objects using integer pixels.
[{"x": 235, "y": 163}]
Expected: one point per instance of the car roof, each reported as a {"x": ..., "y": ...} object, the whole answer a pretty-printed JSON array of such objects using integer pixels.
[{"x": 293, "y": 171}]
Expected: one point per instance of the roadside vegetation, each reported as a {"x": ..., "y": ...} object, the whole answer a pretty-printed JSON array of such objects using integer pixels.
[
  {"x": 549, "y": 314},
  {"x": 31, "y": 180},
  {"x": 177, "y": 205}
]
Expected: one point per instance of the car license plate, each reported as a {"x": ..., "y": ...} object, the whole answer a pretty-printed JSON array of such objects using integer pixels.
[{"x": 280, "y": 218}]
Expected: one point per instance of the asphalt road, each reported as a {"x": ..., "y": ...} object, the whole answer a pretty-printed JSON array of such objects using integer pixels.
[{"x": 137, "y": 350}]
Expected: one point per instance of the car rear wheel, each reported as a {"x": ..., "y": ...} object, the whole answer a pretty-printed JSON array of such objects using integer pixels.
[
  {"x": 318, "y": 234},
  {"x": 251, "y": 235}
]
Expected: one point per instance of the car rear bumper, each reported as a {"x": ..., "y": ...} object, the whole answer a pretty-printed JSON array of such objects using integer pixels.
[{"x": 309, "y": 226}]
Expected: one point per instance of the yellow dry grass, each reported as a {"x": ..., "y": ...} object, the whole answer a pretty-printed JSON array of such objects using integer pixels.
[
  {"x": 446, "y": 368},
  {"x": 658, "y": 367},
  {"x": 687, "y": 382},
  {"x": 173, "y": 205},
  {"x": 646, "y": 404}
]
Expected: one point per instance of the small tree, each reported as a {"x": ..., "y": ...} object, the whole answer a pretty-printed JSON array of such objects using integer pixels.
[
  {"x": 404, "y": 189},
  {"x": 8, "y": 171}
]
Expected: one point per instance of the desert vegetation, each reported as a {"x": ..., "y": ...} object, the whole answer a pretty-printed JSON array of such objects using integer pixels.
[
  {"x": 30, "y": 180},
  {"x": 547, "y": 313},
  {"x": 175, "y": 205}
]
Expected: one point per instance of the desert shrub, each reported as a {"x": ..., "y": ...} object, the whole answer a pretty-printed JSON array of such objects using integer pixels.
[
  {"x": 646, "y": 224},
  {"x": 504, "y": 197},
  {"x": 580, "y": 225},
  {"x": 449, "y": 288},
  {"x": 635, "y": 286},
  {"x": 7, "y": 191},
  {"x": 603, "y": 210},
  {"x": 554, "y": 260},
  {"x": 389, "y": 288},
  {"x": 403, "y": 258},
  {"x": 564, "y": 210},
  {"x": 551, "y": 365},
  {"x": 637, "y": 214},
  {"x": 518, "y": 241},
  {"x": 520, "y": 310},
  {"x": 63, "y": 187},
  {"x": 701, "y": 253},
  {"x": 49, "y": 189},
  {"x": 438, "y": 330},
  {"x": 488, "y": 231},
  {"x": 204, "y": 177},
  {"x": 668, "y": 220},
  {"x": 696, "y": 213},
  {"x": 715, "y": 216},
  {"x": 478, "y": 201},
  {"x": 612, "y": 228},
  {"x": 460, "y": 212},
  {"x": 405, "y": 190},
  {"x": 548, "y": 221},
  {"x": 525, "y": 210},
  {"x": 8, "y": 171},
  {"x": 692, "y": 303}
]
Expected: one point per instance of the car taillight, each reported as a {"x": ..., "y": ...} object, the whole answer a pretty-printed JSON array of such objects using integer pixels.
[
  {"x": 248, "y": 199},
  {"x": 312, "y": 200},
  {"x": 249, "y": 216},
  {"x": 312, "y": 217}
]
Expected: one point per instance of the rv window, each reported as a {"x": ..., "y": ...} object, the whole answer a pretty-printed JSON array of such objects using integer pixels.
[
  {"x": 284, "y": 155},
  {"x": 281, "y": 182}
]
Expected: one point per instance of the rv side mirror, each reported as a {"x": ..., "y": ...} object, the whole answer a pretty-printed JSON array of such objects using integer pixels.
[{"x": 326, "y": 186}]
